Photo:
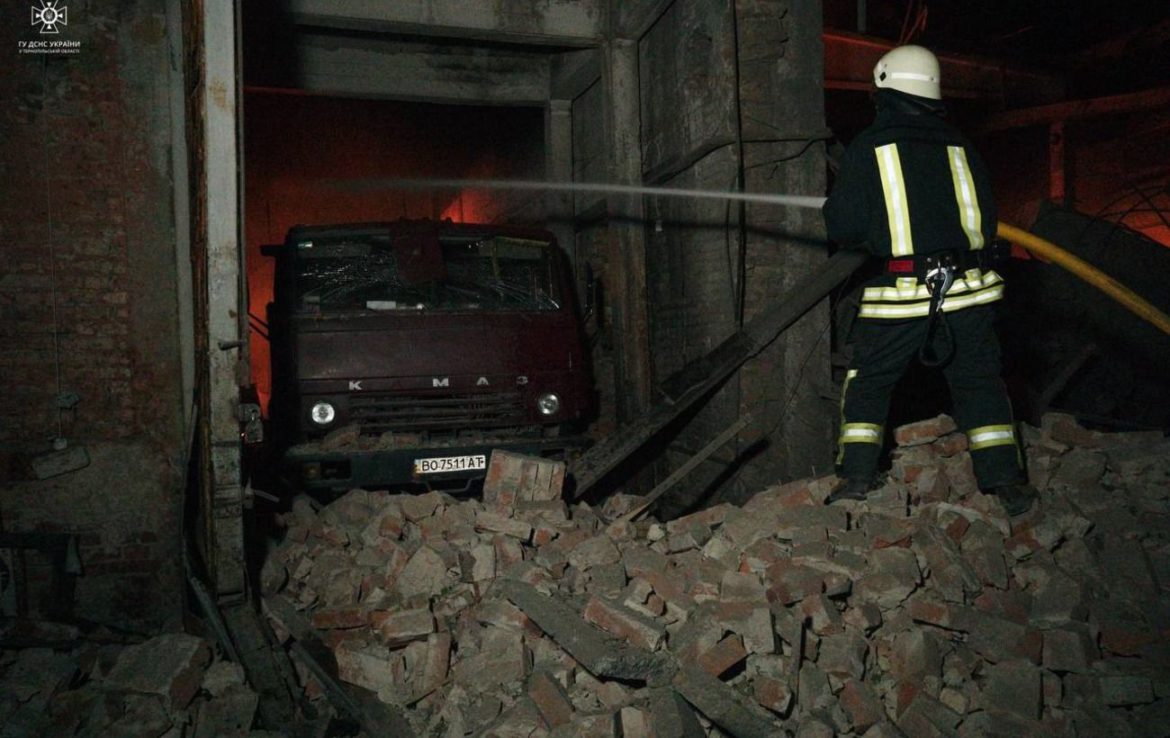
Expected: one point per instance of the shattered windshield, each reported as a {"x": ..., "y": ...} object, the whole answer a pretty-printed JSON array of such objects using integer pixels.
[{"x": 379, "y": 272}]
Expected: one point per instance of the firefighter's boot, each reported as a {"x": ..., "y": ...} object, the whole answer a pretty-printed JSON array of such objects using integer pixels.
[
  {"x": 850, "y": 489},
  {"x": 1016, "y": 499}
]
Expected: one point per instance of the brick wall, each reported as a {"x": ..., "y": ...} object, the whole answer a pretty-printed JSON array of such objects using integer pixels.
[{"x": 88, "y": 300}]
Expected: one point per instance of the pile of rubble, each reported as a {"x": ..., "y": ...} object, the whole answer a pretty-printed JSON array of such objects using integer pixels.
[
  {"x": 168, "y": 686},
  {"x": 923, "y": 611}
]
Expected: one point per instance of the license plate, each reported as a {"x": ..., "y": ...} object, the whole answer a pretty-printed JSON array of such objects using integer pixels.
[{"x": 450, "y": 464}]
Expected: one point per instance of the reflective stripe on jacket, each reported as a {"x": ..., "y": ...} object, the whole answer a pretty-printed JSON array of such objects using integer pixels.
[{"x": 910, "y": 184}]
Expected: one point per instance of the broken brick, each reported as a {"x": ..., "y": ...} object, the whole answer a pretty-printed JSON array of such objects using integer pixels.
[
  {"x": 400, "y": 628},
  {"x": 550, "y": 699},
  {"x": 924, "y": 431},
  {"x": 722, "y": 656},
  {"x": 624, "y": 623}
]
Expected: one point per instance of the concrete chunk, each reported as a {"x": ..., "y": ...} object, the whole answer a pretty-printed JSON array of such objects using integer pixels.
[
  {"x": 673, "y": 716},
  {"x": 592, "y": 648},
  {"x": 950, "y": 574},
  {"x": 926, "y": 717},
  {"x": 227, "y": 715},
  {"x": 843, "y": 655},
  {"x": 493, "y": 523},
  {"x": 724, "y": 706},
  {"x": 169, "y": 665},
  {"x": 367, "y": 665},
  {"x": 479, "y": 563},
  {"x": 418, "y": 507},
  {"x": 1068, "y": 650},
  {"x": 915, "y": 655},
  {"x": 596, "y": 551},
  {"x": 424, "y": 574},
  {"x": 1122, "y": 690},
  {"x": 1012, "y": 686}
]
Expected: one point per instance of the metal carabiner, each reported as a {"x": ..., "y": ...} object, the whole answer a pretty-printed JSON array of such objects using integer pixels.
[{"x": 938, "y": 281}]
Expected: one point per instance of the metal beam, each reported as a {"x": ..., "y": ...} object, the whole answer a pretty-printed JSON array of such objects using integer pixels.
[
  {"x": 1136, "y": 102},
  {"x": 564, "y": 23}
]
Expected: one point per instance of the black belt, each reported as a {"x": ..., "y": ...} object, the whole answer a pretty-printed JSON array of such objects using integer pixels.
[
  {"x": 919, "y": 264},
  {"x": 937, "y": 271}
]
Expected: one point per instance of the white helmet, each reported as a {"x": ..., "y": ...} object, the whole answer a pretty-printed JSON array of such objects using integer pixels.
[{"x": 910, "y": 69}]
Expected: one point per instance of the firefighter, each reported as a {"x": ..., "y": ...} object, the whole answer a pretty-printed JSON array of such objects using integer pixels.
[{"x": 913, "y": 192}]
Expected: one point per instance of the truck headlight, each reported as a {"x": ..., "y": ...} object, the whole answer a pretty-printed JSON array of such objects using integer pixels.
[
  {"x": 323, "y": 413},
  {"x": 548, "y": 404}
]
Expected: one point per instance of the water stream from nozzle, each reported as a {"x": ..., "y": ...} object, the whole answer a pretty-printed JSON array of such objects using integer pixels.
[{"x": 369, "y": 185}]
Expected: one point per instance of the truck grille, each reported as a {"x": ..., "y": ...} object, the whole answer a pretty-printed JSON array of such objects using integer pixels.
[{"x": 377, "y": 413}]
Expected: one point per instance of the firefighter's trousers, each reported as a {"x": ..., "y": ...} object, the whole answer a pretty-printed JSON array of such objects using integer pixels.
[{"x": 883, "y": 351}]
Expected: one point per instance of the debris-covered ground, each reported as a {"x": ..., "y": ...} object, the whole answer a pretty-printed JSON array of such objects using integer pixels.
[
  {"x": 170, "y": 686},
  {"x": 923, "y": 611}
]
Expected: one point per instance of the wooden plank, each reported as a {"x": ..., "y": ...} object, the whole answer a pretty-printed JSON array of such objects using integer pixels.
[{"x": 698, "y": 458}]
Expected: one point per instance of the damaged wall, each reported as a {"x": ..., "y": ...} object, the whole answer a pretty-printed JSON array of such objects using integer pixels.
[{"x": 88, "y": 302}]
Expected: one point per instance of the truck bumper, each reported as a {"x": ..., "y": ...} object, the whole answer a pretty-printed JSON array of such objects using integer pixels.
[{"x": 311, "y": 468}]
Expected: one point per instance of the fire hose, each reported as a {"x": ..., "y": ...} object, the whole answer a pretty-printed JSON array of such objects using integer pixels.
[
  {"x": 1046, "y": 250},
  {"x": 1087, "y": 272}
]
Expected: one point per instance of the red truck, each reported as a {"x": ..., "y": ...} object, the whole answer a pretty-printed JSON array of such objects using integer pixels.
[{"x": 405, "y": 352}]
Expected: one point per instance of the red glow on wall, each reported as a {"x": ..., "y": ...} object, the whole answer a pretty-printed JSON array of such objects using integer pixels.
[
  {"x": 1160, "y": 234},
  {"x": 312, "y": 160}
]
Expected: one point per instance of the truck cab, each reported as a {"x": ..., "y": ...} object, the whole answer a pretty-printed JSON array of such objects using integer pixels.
[{"x": 403, "y": 353}]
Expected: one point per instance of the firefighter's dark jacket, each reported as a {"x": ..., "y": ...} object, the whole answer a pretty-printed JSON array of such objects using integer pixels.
[{"x": 909, "y": 185}]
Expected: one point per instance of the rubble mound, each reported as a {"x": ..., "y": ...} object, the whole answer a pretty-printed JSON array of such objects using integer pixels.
[
  {"x": 77, "y": 685},
  {"x": 921, "y": 611}
]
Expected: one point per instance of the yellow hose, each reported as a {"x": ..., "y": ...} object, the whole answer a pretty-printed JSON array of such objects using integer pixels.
[{"x": 1089, "y": 273}]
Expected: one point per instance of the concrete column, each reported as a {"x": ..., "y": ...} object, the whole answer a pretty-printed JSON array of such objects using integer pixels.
[
  {"x": 781, "y": 72},
  {"x": 223, "y": 502},
  {"x": 558, "y": 163},
  {"x": 626, "y": 281}
]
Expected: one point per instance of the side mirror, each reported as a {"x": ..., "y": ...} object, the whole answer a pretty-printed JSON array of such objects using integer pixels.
[{"x": 270, "y": 249}]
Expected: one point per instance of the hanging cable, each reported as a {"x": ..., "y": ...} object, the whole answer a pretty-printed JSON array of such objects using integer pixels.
[{"x": 741, "y": 266}]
